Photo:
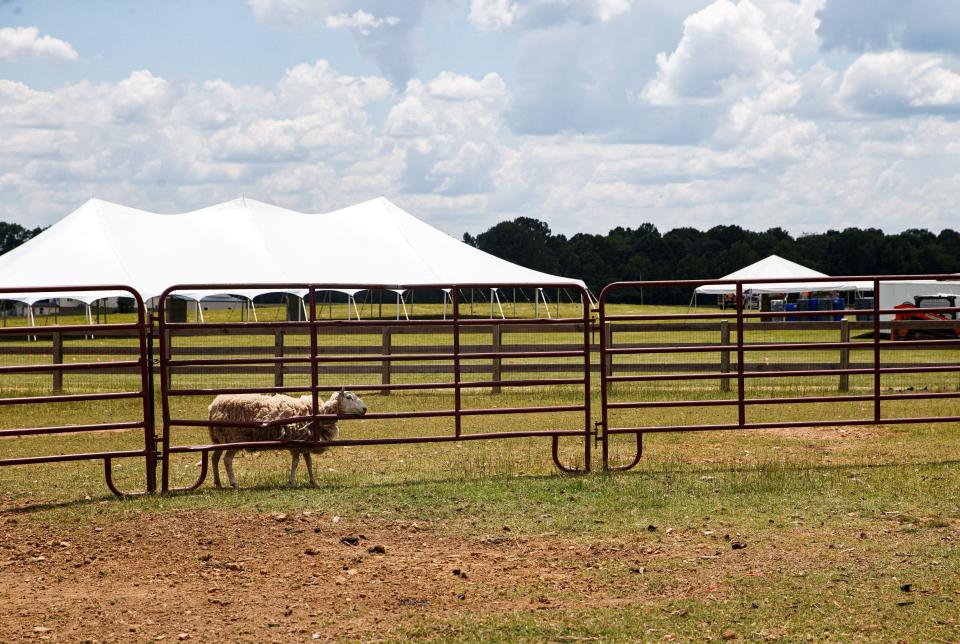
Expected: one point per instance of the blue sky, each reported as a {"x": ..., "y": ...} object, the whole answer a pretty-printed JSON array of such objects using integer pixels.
[{"x": 589, "y": 114}]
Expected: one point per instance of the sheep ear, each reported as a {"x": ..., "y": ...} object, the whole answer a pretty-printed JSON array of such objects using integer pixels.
[{"x": 342, "y": 390}]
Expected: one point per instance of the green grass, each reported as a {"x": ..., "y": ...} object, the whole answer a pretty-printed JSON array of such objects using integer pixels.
[{"x": 835, "y": 524}]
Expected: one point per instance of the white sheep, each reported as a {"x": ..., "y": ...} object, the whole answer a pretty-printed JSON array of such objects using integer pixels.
[{"x": 259, "y": 408}]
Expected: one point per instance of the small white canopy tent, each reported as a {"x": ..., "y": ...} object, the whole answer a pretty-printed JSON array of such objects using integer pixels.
[
  {"x": 776, "y": 267},
  {"x": 247, "y": 241}
]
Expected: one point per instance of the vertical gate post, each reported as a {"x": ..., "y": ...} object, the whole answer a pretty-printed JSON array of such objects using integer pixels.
[
  {"x": 497, "y": 362},
  {"x": 278, "y": 353},
  {"x": 876, "y": 350},
  {"x": 385, "y": 366},
  {"x": 57, "y": 339},
  {"x": 314, "y": 361},
  {"x": 145, "y": 339},
  {"x": 844, "y": 355},
  {"x": 725, "y": 355},
  {"x": 165, "y": 345},
  {"x": 457, "y": 402},
  {"x": 741, "y": 385}
]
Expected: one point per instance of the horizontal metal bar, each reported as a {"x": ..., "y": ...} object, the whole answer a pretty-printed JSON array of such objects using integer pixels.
[
  {"x": 71, "y": 366},
  {"x": 28, "y": 400},
  {"x": 486, "y": 355},
  {"x": 783, "y": 374},
  {"x": 180, "y": 449},
  {"x": 619, "y": 349},
  {"x": 439, "y": 413},
  {"x": 609, "y": 318},
  {"x": 793, "y": 400},
  {"x": 782, "y": 425},
  {"x": 173, "y": 327},
  {"x": 866, "y": 345},
  {"x": 67, "y": 328},
  {"x": 237, "y": 390},
  {"x": 473, "y": 384},
  {"x": 202, "y": 362},
  {"x": 71, "y": 429},
  {"x": 60, "y": 458}
]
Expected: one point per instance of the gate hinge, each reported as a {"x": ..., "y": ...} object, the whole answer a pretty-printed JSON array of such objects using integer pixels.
[{"x": 596, "y": 431}]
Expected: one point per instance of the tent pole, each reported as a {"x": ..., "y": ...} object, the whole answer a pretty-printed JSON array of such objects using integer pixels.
[
  {"x": 444, "y": 304},
  {"x": 355, "y": 307},
  {"x": 491, "y": 303},
  {"x": 536, "y": 304},
  {"x": 398, "y": 305},
  {"x": 200, "y": 310},
  {"x": 404, "y": 303},
  {"x": 499, "y": 305},
  {"x": 558, "y": 302},
  {"x": 303, "y": 307},
  {"x": 514, "y": 301},
  {"x": 253, "y": 307}
]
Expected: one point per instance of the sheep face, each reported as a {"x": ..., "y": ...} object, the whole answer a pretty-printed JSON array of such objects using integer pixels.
[{"x": 350, "y": 403}]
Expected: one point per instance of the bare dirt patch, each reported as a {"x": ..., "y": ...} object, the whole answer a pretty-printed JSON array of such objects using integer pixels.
[
  {"x": 217, "y": 575},
  {"x": 833, "y": 434}
]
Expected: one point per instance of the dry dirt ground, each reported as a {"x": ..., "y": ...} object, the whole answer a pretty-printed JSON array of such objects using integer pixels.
[{"x": 222, "y": 576}]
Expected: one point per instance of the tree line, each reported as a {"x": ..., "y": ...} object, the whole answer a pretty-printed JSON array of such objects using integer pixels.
[{"x": 687, "y": 253}]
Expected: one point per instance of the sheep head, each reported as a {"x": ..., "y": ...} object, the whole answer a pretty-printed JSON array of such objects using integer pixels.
[{"x": 348, "y": 403}]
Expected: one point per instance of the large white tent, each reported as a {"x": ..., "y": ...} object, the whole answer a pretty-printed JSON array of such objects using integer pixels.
[
  {"x": 247, "y": 241},
  {"x": 776, "y": 267}
]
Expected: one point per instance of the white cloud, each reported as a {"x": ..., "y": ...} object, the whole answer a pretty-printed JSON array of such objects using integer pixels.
[
  {"x": 360, "y": 21},
  {"x": 26, "y": 42},
  {"x": 501, "y": 15},
  {"x": 877, "y": 25},
  {"x": 899, "y": 83},
  {"x": 730, "y": 48},
  {"x": 758, "y": 129},
  {"x": 450, "y": 128},
  {"x": 387, "y": 31}
]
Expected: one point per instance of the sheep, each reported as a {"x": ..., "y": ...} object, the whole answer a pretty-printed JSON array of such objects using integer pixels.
[{"x": 262, "y": 408}]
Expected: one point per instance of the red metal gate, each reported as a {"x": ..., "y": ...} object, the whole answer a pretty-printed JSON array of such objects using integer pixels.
[
  {"x": 659, "y": 368},
  {"x": 307, "y": 356},
  {"x": 60, "y": 364}
]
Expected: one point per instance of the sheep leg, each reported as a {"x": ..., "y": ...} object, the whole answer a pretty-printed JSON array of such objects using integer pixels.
[
  {"x": 294, "y": 462},
  {"x": 228, "y": 462},
  {"x": 309, "y": 461},
  {"x": 216, "y": 467}
]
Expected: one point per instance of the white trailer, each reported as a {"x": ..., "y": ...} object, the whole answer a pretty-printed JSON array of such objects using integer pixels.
[{"x": 895, "y": 293}]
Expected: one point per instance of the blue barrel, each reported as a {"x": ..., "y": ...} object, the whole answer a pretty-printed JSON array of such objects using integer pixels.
[
  {"x": 791, "y": 306},
  {"x": 814, "y": 304}
]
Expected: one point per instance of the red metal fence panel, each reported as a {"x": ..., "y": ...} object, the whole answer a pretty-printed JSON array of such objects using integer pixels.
[
  {"x": 660, "y": 371},
  {"x": 454, "y": 357},
  {"x": 55, "y": 364}
]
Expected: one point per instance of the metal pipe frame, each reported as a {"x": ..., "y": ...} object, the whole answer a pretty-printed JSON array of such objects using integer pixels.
[
  {"x": 875, "y": 346},
  {"x": 317, "y": 359},
  {"x": 140, "y": 365}
]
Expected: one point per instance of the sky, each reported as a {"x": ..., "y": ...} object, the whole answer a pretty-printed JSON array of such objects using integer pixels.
[{"x": 808, "y": 115}]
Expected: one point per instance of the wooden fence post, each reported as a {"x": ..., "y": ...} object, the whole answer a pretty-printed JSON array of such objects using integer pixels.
[
  {"x": 844, "y": 355},
  {"x": 385, "y": 365},
  {"x": 278, "y": 353},
  {"x": 495, "y": 341},
  {"x": 57, "y": 339},
  {"x": 725, "y": 355}
]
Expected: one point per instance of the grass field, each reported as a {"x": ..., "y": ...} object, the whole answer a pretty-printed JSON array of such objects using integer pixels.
[{"x": 836, "y": 533}]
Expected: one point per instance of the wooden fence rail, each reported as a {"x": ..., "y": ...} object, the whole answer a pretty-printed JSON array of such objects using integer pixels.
[{"x": 291, "y": 342}]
